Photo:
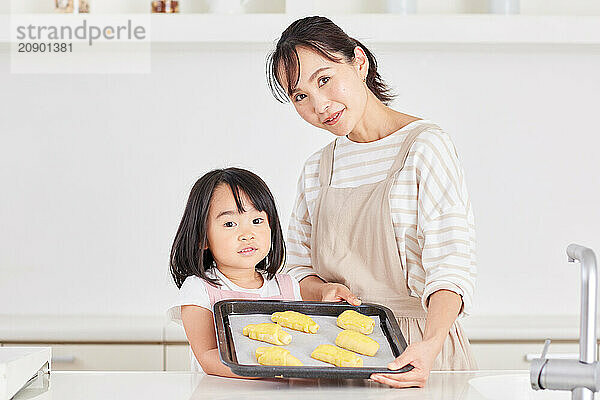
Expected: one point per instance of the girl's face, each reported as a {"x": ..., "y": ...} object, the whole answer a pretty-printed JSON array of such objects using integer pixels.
[
  {"x": 236, "y": 240},
  {"x": 331, "y": 95}
]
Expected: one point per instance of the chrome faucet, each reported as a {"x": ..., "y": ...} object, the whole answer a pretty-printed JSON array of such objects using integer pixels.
[{"x": 581, "y": 377}]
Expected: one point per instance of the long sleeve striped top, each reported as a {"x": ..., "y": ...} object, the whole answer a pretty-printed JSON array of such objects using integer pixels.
[{"x": 431, "y": 210}]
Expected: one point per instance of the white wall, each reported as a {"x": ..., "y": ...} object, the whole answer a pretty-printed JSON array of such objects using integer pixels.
[
  {"x": 95, "y": 169},
  {"x": 527, "y": 7}
]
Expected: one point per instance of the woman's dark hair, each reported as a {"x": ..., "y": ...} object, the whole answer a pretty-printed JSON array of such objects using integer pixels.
[
  {"x": 188, "y": 256},
  {"x": 327, "y": 39}
]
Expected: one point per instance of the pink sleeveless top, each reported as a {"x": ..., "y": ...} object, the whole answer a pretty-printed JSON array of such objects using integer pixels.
[{"x": 286, "y": 291}]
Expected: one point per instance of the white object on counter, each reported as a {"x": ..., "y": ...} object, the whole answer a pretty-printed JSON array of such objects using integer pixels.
[{"x": 18, "y": 365}]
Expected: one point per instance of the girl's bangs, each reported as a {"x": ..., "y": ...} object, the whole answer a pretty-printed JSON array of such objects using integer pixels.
[{"x": 254, "y": 195}]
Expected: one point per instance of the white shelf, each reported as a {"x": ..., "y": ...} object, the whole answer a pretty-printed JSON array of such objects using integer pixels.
[{"x": 376, "y": 28}]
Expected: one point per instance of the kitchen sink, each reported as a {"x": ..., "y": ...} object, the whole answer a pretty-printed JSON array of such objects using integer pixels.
[{"x": 513, "y": 387}]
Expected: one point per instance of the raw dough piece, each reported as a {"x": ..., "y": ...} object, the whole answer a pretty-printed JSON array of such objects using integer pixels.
[
  {"x": 276, "y": 356},
  {"x": 355, "y": 321},
  {"x": 337, "y": 356},
  {"x": 296, "y": 321},
  {"x": 267, "y": 332},
  {"x": 357, "y": 342}
]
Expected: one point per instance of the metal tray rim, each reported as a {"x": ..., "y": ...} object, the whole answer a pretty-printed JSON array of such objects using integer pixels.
[{"x": 303, "y": 372}]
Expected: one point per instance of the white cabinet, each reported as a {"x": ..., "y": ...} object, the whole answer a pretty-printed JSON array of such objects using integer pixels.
[
  {"x": 495, "y": 355},
  {"x": 177, "y": 357},
  {"x": 104, "y": 357}
]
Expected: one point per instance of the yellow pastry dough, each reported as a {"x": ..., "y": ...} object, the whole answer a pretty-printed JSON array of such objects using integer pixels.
[
  {"x": 357, "y": 342},
  {"x": 267, "y": 332},
  {"x": 337, "y": 356},
  {"x": 276, "y": 356},
  {"x": 296, "y": 321},
  {"x": 355, "y": 321}
]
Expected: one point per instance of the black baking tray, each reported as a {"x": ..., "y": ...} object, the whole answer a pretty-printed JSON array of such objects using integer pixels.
[{"x": 224, "y": 308}]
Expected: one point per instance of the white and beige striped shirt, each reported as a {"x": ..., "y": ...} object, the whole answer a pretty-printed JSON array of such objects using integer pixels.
[{"x": 431, "y": 210}]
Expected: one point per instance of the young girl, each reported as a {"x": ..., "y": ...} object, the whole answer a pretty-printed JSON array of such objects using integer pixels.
[{"x": 229, "y": 245}]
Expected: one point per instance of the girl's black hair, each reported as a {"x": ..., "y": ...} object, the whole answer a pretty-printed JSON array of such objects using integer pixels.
[
  {"x": 327, "y": 39},
  {"x": 188, "y": 256}
]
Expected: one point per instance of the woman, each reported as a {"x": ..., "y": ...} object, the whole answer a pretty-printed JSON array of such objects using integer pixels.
[{"x": 382, "y": 212}]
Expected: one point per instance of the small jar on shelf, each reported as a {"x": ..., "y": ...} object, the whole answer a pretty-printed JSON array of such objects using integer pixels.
[
  {"x": 72, "y": 6},
  {"x": 165, "y": 6}
]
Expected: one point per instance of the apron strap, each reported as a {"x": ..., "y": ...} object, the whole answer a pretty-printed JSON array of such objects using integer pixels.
[
  {"x": 406, "y": 145},
  {"x": 214, "y": 294},
  {"x": 286, "y": 287},
  {"x": 326, "y": 164}
]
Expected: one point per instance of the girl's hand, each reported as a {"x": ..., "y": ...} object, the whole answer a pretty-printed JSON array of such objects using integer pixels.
[
  {"x": 421, "y": 356},
  {"x": 338, "y": 292}
]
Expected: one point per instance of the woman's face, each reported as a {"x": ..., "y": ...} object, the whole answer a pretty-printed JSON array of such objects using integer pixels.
[{"x": 331, "y": 95}]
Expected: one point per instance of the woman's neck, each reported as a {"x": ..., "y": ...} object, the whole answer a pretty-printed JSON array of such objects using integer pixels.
[
  {"x": 244, "y": 278},
  {"x": 378, "y": 121}
]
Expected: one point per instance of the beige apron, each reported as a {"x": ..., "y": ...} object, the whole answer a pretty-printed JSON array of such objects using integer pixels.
[{"x": 353, "y": 243}]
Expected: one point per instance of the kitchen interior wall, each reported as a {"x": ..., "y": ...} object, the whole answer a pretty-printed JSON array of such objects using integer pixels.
[
  {"x": 96, "y": 169},
  {"x": 527, "y": 7}
]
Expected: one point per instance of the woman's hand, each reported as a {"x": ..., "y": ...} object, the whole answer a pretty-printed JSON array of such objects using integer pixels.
[
  {"x": 421, "y": 356},
  {"x": 338, "y": 292},
  {"x": 444, "y": 306}
]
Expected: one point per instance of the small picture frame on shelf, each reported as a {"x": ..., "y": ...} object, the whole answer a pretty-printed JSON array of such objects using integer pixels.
[{"x": 72, "y": 6}]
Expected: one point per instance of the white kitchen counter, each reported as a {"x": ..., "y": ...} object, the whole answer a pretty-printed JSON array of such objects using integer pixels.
[
  {"x": 188, "y": 386},
  {"x": 99, "y": 329}
]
